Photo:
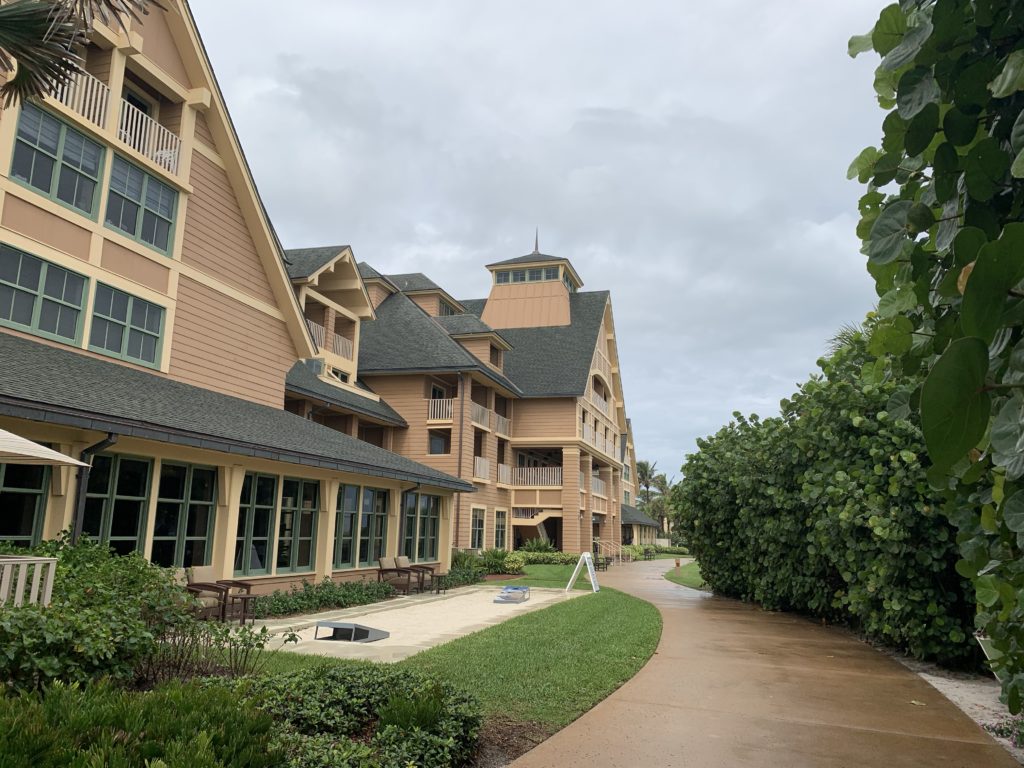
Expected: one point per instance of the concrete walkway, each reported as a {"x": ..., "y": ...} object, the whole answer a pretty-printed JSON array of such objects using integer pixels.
[{"x": 731, "y": 686}]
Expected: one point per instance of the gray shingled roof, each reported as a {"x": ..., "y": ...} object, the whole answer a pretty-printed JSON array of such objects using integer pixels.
[
  {"x": 463, "y": 324},
  {"x": 404, "y": 338},
  {"x": 367, "y": 272},
  {"x": 303, "y": 262},
  {"x": 302, "y": 380},
  {"x": 44, "y": 383},
  {"x": 415, "y": 281},
  {"x": 527, "y": 259},
  {"x": 553, "y": 361},
  {"x": 633, "y": 516}
]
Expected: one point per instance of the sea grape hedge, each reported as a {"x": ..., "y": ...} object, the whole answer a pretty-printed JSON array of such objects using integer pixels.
[{"x": 826, "y": 510}]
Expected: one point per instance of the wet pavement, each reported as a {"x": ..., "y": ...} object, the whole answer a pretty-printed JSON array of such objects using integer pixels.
[{"x": 731, "y": 685}]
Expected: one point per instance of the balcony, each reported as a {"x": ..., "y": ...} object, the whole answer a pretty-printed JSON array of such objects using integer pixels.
[
  {"x": 26, "y": 580},
  {"x": 545, "y": 477},
  {"x": 504, "y": 474},
  {"x": 481, "y": 468},
  {"x": 147, "y": 137},
  {"x": 601, "y": 365},
  {"x": 502, "y": 425},
  {"x": 598, "y": 486},
  {"x": 440, "y": 409},
  {"x": 600, "y": 403},
  {"x": 480, "y": 415},
  {"x": 339, "y": 345},
  {"x": 608, "y": 446},
  {"x": 84, "y": 95}
]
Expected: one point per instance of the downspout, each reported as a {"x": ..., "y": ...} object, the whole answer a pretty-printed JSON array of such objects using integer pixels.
[
  {"x": 462, "y": 431},
  {"x": 82, "y": 482}
]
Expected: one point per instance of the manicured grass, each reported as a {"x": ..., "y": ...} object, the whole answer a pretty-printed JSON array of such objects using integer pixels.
[
  {"x": 666, "y": 556},
  {"x": 687, "y": 575},
  {"x": 551, "y": 666},
  {"x": 553, "y": 576}
]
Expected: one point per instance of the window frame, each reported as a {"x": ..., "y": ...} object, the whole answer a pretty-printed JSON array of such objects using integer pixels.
[
  {"x": 296, "y": 538},
  {"x": 501, "y": 521},
  {"x": 42, "y": 497},
  {"x": 476, "y": 533},
  {"x": 375, "y": 517},
  {"x": 128, "y": 327},
  {"x": 185, "y": 505},
  {"x": 41, "y": 296},
  {"x": 111, "y": 497},
  {"x": 246, "y": 517},
  {"x": 337, "y": 563},
  {"x": 503, "y": 277},
  {"x": 141, "y": 203},
  {"x": 439, "y": 433},
  {"x": 58, "y": 164}
]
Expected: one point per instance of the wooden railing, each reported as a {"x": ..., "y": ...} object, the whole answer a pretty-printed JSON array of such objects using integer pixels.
[
  {"x": 599, "y": 504},
  {"x": 502, "y": 425},
  {"x": 339, "y": 344},
  {"x": 317, "y": 332},
  {"x": 607, "y": 446},
  {"x": 597, "y": 485},
  {"x": 26, "y": 580},
  {"x": 480, "y": 414},
  {"x": 537, "y": 476},
  {"x": 600, "y": 403},
  {"x": 522, "y": 513},
  {"x": 481, "y": 468},
  {"x": 601, "y": 365},
  {"x": 440, "y": 409},
  {"x": 584, "y": 486},
  {"x": 86, "y": 96},
  {"x": 343, "y": 346},
  {"x": 505, "y": 474},
  {"x": 147, "y": 137}
]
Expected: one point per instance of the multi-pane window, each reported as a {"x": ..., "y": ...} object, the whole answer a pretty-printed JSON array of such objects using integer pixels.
[
  {"x": 22, "y": 503},
  {"x": 439, "y": 442},
  {"x": 501, "y": 277},
  {"x": 345, "y": 527},
  {"x": 476, "y": 533},
  {"x": 126, "y": 326},
  {"x": 500, "y": 529},
  {"x": 519, "y": 276},
  {"x": 625, "y": 497},
  {"x": 373, "y": 525},
  {"x": 410, "y": 508},
  {"x": 116, "y": 500},
  {"x": 255, "y": 524},
  {"x": 551, "y": 273},
  {"x": 140, "y": 205},
  {"x": 40, "y": 297},
  {"x": 532, "y": 275},
  {"x": 183, "y": 529},
  {"x": 421, "y": 523},
  {"x": 57, "y": 160},
  {"x": 445, "y": 309},
  {"x": 300, "y": 503}
]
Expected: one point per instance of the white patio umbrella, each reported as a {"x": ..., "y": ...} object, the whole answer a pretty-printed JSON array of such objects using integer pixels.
[{"x": 17, "y": 450}]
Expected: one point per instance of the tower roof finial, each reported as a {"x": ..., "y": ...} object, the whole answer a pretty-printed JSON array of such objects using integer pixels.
[{"x": 536, "y": 240}]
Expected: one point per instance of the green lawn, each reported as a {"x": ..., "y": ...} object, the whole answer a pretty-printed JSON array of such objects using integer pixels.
[
  {"x": 554, "y": 576},
  {"x": 687, "y": 575},
  {"x": 548, "y": 666}
]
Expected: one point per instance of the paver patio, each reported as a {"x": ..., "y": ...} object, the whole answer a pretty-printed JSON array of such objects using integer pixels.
[
  {"x": 416, "y": 623},
  {"x": 731, "y": 685}
]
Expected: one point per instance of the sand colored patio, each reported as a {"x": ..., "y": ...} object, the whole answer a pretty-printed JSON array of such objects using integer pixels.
[
  {"x": 732, "y": 686},
  {"x": 416, "y": 623}
]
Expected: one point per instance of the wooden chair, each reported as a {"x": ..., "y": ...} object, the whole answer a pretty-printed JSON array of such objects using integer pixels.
[
  {"x": 399, "y": 578},
  {"x": 211, "y": 597},
  {"x": 423, "y": 572}
]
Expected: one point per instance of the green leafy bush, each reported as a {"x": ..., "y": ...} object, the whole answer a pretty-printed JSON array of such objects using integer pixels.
[
  {"x": 423, "y": 710},
  {"x": 514, "y": 563},
  {"x": 537, "y": 545},
  {"x": 182, "y": 725},
  {"x": 673, "y": 550},
  {"x": 493, "y": 560},
  {"x": 325, "y": 595},
  {"x": 827, "y": 510},
  {"x": 635, "y": 551},
  {"x": 548, "y": 558},
  {"x": 466, "y": 569}
]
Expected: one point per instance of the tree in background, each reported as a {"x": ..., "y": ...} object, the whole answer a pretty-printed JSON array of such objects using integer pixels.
[
  {"x": 655, "y": 490},
  {"x": 645, "y": 478}
]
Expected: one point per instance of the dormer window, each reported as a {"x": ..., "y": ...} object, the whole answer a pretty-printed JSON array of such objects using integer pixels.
[
  {"x": 535, "y": 275},
  {"x": 502, "y": 277},
  {"x": 531, "y": 275},
  {"x": 519, "y": 276},
  {"x": 445, "y": 309},
  {"x": 339, "y": 375},
  {"x": 495, "y": 356}
]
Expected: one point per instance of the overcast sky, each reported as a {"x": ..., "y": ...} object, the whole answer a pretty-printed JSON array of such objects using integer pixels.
[{"x": 689, "y": 157}]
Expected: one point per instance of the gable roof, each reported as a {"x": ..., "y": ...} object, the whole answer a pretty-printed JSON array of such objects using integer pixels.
[
  {"x": 415, "y": 281},
  {"x": 529, "y": 258},
  {"x": 302, "y": 380},
  {"x": 405, "y": 339},
  {"x": 367, "y": 272},
  {"x": 45, "y": 383},
  {"x": 633, "y": 516},
  {"x": 553, "y": 361},
  {"x": 305, "y": 262}
]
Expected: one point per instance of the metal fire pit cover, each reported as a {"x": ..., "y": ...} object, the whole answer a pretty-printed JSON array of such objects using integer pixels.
[{"x": 348, "y": 632}]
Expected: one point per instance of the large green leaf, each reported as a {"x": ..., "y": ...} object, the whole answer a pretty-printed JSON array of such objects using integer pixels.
[
  {"x": 1013, "y": 512},
  {"x": 985, "y": 169},
  {"x": 863, "y": 164},
  {"x": 888, "y": 240},
  {"x": 997, "y": 268},
  {"x": 916, "y": 89},
  {"x": 960, "y": 128},
  {"x": 922, "y": 129},
  {"x": 859, "y": 44},
  {"x": 966, "y": 244},
  {"x": 1011, "y": 78},
  {"x": 954, "y": 406},
  {"x": 908, "y": 47},
  {"x": 888, "y": 29},
  {"x": 1008, "y": 437}
]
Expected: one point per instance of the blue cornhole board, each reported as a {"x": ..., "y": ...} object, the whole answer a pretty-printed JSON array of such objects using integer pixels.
[{"x": 513, "y": 595}]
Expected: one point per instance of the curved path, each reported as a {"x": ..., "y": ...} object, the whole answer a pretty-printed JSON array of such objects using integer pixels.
[{"x": 731, "y": 685}]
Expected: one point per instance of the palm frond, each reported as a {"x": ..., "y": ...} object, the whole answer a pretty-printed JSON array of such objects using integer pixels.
[
  {"x": 41, "y": 47},
  {"x": 844, "y": 337},
  {"x": 85, "y": 13}
]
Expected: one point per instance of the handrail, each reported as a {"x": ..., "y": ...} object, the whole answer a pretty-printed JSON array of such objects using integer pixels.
[
  {"x": 440, "y": 409},
  {"x": 85, "y": 95},
  {"x": 147, "y": 137}
]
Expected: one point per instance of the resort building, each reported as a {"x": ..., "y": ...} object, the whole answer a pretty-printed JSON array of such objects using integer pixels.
[{"x": 151, "y": 326}]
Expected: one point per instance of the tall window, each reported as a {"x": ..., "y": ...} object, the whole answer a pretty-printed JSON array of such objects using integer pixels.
[
  {"x": 625, "y": 497},
  {"x": 22, "y": 503},
  {"x": 373, "y": 525},
  {"x": 183, "y": 529},
  {"x": 421, "y": 522},
  {"x": 500, "y": 529},
  {"x": 410, "y": 508},
  {"x": 476, "y": 534},
  {"x": 116, "y": 501},
  {"x": 300, "y": 503},
  {"x": 255, "y": 523},
  {"x": 40, "y": 297},
  {"x": 126, "y": 326},
  {"x": 140, "y": 205},
  {"x": 345, "y": 527},
  {"x": 57, "y": 160},
  {"x": 445, "y": 309}
]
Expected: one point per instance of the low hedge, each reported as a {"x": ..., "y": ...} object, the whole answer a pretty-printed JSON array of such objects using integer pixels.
[
  {"x": 313, "y": 597},
  {"x": 671, "y": 550},
  {"x": 548, "y": 558}
]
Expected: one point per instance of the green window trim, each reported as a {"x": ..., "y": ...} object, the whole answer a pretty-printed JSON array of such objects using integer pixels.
[
  {"x": 126, "y": 323},
  {"x": 346, "y": 528},
  {"x": 24, "y": 486},
  {"x": 476, "y": 532},
  {"x": 67, "y": 169},
  {"x": 421, "y": 526},
  {"x": 141, "y": 207},
  {"x": 297, "y": 526},
  {"x": 110, "y": 504},
  {"x": 57, "y": 295},
  {"x": 373, "y": 526},
  {"x": 500, "y": 529},
  {"x": 256, "y": 517},
  {"x": 185, "y": 516}
]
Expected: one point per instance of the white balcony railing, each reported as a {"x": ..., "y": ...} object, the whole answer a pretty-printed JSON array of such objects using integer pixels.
[
  {"x": 342, "y": 346},
  {"x": 537, "y": 476},
  {"x": 599, "y": 504},
  {"x": 503, "y": 425},
  {"x": 147, "y": 137},
  {"x": 524, "y": 513},
  {"x": 505, "y": 474},
  {"x": 317, "y": 332},
  {"x": 602, "y": 366},
  {"x": 339, "y": 344},
  {"x": 440, "y": 409},
  {"x": 481, "y": 468},
  {"x": 86, "y": 96},
  {"x": 599, "y": 402},
  {"x": 480, "y": 414},
  {"x": 599, "y": 486},
  {"x": 26, "y": 580}
]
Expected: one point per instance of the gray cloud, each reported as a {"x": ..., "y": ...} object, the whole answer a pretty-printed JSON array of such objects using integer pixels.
[{"x": 690, "y": 159}]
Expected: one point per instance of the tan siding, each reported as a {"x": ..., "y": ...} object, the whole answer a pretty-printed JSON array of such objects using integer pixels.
[
  {"x": 426, "y": 302},
  {"x": 545, "y": 418},
  {"x": 98, "y": 64},
  {"x": 203, "y": 133},
  {"x": 377, "y": 294},
  {"x": 217, "y": 239},
  {"x": 43, "y": 226},
  {"x": 158, "y": 45},
  {"x": 129, "y": 264},
  {"x": 527, "y": 305},
  {"x": 479, "y": 348},
  {"x": 214, "y": 347}
]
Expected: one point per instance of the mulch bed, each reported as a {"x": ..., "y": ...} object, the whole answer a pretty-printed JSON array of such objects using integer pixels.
[{"x": 503, "y": 739}]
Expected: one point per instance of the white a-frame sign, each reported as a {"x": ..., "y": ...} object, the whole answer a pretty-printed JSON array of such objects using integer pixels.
[{"x": 591, "y": 573}]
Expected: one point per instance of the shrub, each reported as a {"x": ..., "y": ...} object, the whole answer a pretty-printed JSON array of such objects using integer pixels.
[
  {"x": 514, "y": 562},
  {"x": 422, "y": 710},
  {"x": 673, "y": 550},
  {"x": 635, "y": 551},
  {"x": 310, "y": 598},
  {"x": 548, "y": 558},
  {"x": 463, "y": 577},
  {"x": 181, "y": 725},
  {"x": 537, "y": 545},
  {"x": 493, "y": 560}
]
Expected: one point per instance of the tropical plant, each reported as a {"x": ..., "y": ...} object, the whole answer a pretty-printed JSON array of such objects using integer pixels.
[
  {"x": 41, "y": 35},
  {"x": 942, "y": 230},
  {"x": 645, "y": 472}
]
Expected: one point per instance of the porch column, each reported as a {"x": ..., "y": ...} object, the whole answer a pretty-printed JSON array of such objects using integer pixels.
[
  {"x": 571, "y": 511},
  {"x": 324, "y": 560},
  {"x": 229, "y": 495},
  {"x": 391, "y": 543},
  {"x": 587, "y": 523}
]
